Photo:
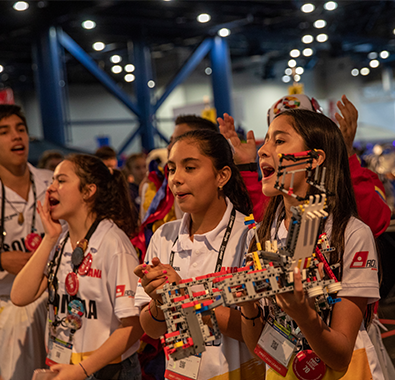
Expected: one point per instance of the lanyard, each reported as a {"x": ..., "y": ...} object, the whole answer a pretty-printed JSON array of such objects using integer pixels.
[
  {"x": 224, "y": 243},
  {"x": 3, "y": 198}
]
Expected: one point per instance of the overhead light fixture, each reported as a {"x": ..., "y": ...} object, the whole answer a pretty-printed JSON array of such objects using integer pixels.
[
  {"x": 224, "y": 32},
  {"x": 372, "y": 55},
  {"x": 291, "y": 63},
  {"x": 116, "y": 58},
  {"x": 354, "y": 72},
  {"x": 299, "y": 70},
  {"x": 295, "y": 53},
  {"x": 129, "y": 68},
  {"x": 322, "y": 37},
  {"x": 319, "y": 24},
  {"x": 307, "y": 39},
  {"x": 88, "y": 24},
  {"x": 365, "y": 71},
  {"x": 307, "y": 52},
  {"x": 151, "y": 84},
  {"x": 204, "y": 17},
  {"x": 297, "y": 78},
  {"x": 116, "y": 69},
  {"x": 308, "y": 8},
  {"x": 374, "y": 63},
  {"x": 330, "y": 5},
  {"x": 288, "y": 71},
  {"x": 384, "y": 54},
  {"x": 1, "y": 68},
  {"x": 21, "y": 6},
  {"x": 286, "y": 78},
  {"x": 129, "y": 78},
  {"x": 208, "y": 70},
  {"x": 98, "y": 46}
]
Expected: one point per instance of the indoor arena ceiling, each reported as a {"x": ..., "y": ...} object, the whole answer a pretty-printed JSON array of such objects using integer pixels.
[{"x": 262, "y": 33}]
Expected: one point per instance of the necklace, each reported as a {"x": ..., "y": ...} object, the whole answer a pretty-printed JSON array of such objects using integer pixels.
[{"x": 21, "y": 218}]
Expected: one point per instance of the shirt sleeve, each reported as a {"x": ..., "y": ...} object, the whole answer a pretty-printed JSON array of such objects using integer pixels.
[
  {"x": 122, "y": 282},
  {"x": 370, "y": 197},
  {"x": 360, "y": 274},
  {"x": 254, "y": 188}
]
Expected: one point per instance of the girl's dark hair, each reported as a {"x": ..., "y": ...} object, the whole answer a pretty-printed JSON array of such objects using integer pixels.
[
  {"x": 214, "y": 146},
  {"x": 111, "y": 199},
  {"x": 320, "y": 132}
]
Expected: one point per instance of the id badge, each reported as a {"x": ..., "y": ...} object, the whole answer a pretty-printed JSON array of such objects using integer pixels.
[
  {"x": 59, "y": 352},
  {"x": 183, "y": 369},
  {"x": 276, "y": 346}
]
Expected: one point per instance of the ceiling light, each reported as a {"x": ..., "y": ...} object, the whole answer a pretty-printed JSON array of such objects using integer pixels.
[
  {"x": 307, "y": 39},
  {"x": 204, "y": 17},
  {"x": 299, "y": 70},
  {"x": 21, "y": 6},
  {"x": 129, "y": 78},
  {"x": 291, "y": 63},
  {"x": 308, "y": 8},
  {"x": 116, "y": 58},
  {"x": 288, "y": 71},
  {"x": 208, "y": 70},
  {"x": 295, "y": 53},
  {"x": 374, "y": 63},
  {"x": 354, "y": 72},
  {"x": 330, "y": 5},
  {"x": 98, "y": 46},
  {"x": 224, "y": 32},
  {"x": 151, "y": 84},
  {"x": 365, "y": 71},
  {"x": 129, "y": 68},
  {"x": 286, "y": 78},
  {"x": 322, "y": 37},
  {"x": 297, "y": 78},
  {"x": 319, "y": 24},
  {"x": 88, "y": 24},
  {"x": 384, "y": 54},
  {"x": 307, "y": 52},
  {"x": 393, "y": 31},
  {"x": 1, "y": 68},
  {"x": 372, "y": 55},
  {"x": 116, "y": 69}
]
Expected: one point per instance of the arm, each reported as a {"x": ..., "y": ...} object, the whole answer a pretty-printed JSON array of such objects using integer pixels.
[
  {"x": 368, "y": 189},
  {"x": 14, "y": 261},
  {"x": 119, "y": 341},
  {"x": 31, "y": 282}
]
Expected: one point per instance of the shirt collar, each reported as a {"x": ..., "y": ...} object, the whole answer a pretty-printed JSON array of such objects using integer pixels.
[{"x": 212, "y": 239}]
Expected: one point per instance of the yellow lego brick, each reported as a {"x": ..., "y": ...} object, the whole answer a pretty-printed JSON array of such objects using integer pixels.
[
  {"x": 256, "y": 261},
  {"x": 178, "y": 344},
  {"x": 198, "y": 306}
]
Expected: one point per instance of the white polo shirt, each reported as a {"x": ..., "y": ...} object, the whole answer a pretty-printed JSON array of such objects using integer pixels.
[{"x": 231, "y": 358}]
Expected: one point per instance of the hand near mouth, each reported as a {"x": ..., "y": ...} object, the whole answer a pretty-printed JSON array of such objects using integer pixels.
[{"x": 52, "y": 227}]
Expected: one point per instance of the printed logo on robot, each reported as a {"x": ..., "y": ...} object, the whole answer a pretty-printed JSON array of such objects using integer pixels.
[{"x": 360, "y": 260}]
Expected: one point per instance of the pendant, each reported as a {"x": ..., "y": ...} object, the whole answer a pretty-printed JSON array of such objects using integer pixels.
[{"x": 21, "y": 219}]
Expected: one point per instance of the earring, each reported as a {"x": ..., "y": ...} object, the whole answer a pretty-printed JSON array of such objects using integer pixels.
[{"x": 220, "y": 188}]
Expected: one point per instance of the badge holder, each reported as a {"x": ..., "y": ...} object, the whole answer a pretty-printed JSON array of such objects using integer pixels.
[{"x": 183, "y": 369}]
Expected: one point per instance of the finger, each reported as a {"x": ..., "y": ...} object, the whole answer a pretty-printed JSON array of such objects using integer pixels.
[
  {"x": 153, "y": 286},
  {"x": 339, "y": 118},
  {"x": 155, "y": 261},
  {"x": 341, "y": 106},
  {"x": 321, "y": 269},
  {"x": 298, "y": 286},
  {"x": 139, "y": 270}
]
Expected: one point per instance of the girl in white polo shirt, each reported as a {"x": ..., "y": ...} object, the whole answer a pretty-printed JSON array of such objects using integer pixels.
[
  {"x": 336, "y": 346},
  {"x": 209, "y": 189},
  {"x": 93, "y": 324}
]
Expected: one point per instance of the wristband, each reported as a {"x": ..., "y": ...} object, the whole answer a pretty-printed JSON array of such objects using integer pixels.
[
  {"x": 155, "y": 319},
  {"x": 1, "y": 267},
  {"x": 86, "y": 373},
  {"x": 252, "y": 319},
  {"x": 252, "y": 167}
]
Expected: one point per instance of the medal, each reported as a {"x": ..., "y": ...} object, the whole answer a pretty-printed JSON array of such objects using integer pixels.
[
  {"x": 51, "y": 292},
  {"x": 76, "y": 307},
  {"x": 32, "y": 241},
  {"x": 85, "y": 265},
  {"x": 77, "y": 256},
  {"x": 308, "y": 366},
  {"x": 74, "y": 322},
  {"x": 72, "y": 284}
]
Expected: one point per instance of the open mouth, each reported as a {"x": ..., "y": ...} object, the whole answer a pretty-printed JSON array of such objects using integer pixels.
[
  {"x": 18, "y": 148},
  {"x": 53, "y": 202},
  {"x": 267, "y": 171},
  {"x": 181, "y": 195}
]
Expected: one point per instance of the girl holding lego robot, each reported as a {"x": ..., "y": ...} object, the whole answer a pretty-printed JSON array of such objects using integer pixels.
[
  {"x": 338, "y": 346},
  {"x": 209, "y": 238}
]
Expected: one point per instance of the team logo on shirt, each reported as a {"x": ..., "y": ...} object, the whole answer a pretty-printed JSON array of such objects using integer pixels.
[
  {"x": 121, "y": 292},
  {"x": 360, "y": 260}
]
